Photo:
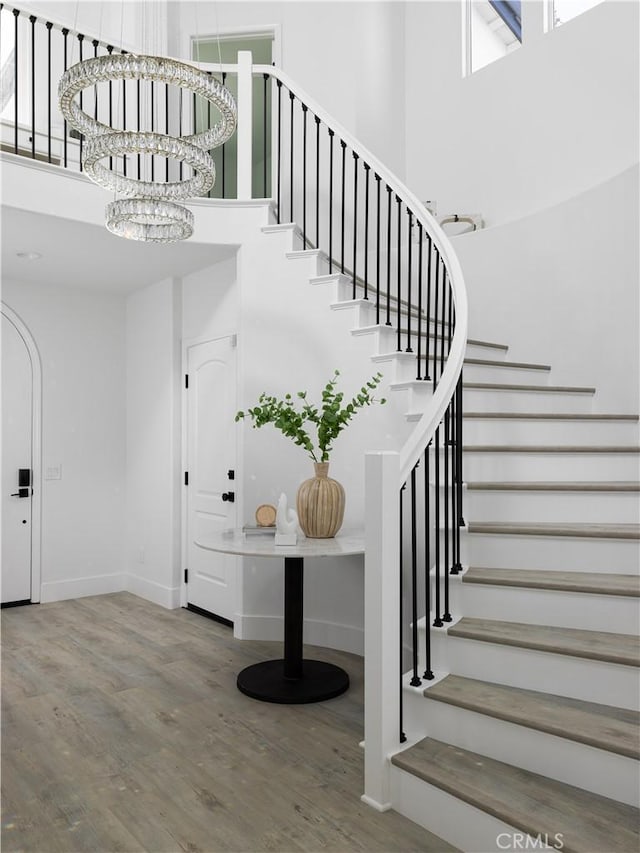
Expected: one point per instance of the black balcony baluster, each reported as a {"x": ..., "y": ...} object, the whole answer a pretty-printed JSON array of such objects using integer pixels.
[
  {"x": 331, "y": 135},
  {"x": 428, "y": 673},
  {"x": 291, "y": 97},
  {"x": 265, "y": 82},
  {"x": 95, "y": 44},
  {"x": 317, "y": 120},
  {"x": 378, "y": 179},
  {"x": 180, "y": 167},
  {"x": 403, "y": 736},
  {"x": 65, "y": 33},
  {"x": 355, "y": 222},
  {"x": 33, "y": 20},
  {"x": 80, "y": 43},
  {"x": 110, "y": 51},
  {"x": 437, "y": 622},
  {"x": 279, "y": 151},
  {"x": 427, "y": 374},
  {"x": 436, "y": 292},
  {"x": 445, "y": 295},
  {"x": 419, "y": 353},
  {"x": 304, "y": 176},
  {"x": 399, "y": 279},
  {"x": 49, "y": 26},
  {"x": 16, "y": 87},
  {"x": 166, "y": 127},
  {"x": 445, "y": 501},
  {"x": 342, "y": 195},
  {"x": 409, "y": 273},
  {"x": 124, "y": 122},
  {"x": 223, "y": 156},
  {"x": 152, "y": 124},
  {"x": 415, "y": 680},
  {"x": 388, "y": 320},
  {"x": 367, "y": 169}
]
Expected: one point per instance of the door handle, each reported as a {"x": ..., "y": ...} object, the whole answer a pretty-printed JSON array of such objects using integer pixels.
[
  {"x": 229, "y": 496},
  {"x": 21, "y": 493}
]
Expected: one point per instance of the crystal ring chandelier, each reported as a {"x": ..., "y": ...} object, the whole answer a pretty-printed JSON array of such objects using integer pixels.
[{"x": 152, "y": 215}]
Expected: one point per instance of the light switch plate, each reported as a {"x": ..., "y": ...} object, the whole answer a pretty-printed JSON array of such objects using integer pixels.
[{"x": 53, "y": 472}]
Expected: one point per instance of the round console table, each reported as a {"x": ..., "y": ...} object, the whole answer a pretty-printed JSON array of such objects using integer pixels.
[{"x": 291, "y": 679}]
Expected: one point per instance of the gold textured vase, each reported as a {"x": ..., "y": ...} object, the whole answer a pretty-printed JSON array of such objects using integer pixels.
[{"x": 320, "y": 504}]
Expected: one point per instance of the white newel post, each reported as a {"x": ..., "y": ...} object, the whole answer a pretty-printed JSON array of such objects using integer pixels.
[
  {"x": 245, "y": 120},
  {"x": 381, "y": 624}
]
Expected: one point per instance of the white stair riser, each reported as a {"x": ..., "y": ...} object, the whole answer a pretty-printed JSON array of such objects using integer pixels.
[
  {"x": 397, "y": 367},
  {"x": 504, "y": 373},
  {"x": 462, "y": 825},
  {"x": 562, "y": 608},
  {"x": 554, "y": 553},
  {"x": 531, "y": 669},
  {"x": 499, "y": 465},
  {"x": 596, "y": 770},
  {"x": 597, "y": 507},
  {"x": 494, "y": 400},
  {"x": 512, "y": 431}
]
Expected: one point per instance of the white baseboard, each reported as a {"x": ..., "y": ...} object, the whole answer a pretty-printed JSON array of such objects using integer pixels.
[
  {"x": 82, "y": 587},
  {"x": 331, "y": 635},
  {"x": 165, "y": 596}
]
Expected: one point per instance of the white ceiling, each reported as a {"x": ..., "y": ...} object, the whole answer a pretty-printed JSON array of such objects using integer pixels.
[{"x": 77, "y": 254}]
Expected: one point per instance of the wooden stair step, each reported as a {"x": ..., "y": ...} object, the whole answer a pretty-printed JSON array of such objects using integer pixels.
[
  {"x": 552, "y": 389},
  {"x": 574, "y": 642},
  {"x": 586, "y": 582},
  {"x": 551, "y": 448},
  {"x": 556, "y": 486},
  {"x": 527, "y": 801},
  {"x": 550, "y": 416},
  {"x": 549, "y": 528},
  {"x": 602, "y": 726}
]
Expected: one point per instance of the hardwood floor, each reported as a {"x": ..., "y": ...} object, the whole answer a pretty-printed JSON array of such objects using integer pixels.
[{"x": 123, "y": 730}]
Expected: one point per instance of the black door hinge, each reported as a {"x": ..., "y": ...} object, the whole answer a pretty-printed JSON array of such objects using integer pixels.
[
  {"x": 186, "y": 575},
  {"x": 186, "y": 478}
]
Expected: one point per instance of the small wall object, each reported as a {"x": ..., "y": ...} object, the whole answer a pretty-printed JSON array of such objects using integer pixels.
[{"x": 286, "y": 523}]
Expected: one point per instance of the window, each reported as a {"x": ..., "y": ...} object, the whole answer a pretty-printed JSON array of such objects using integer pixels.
[
  {"x": 494, "y": 29},
  {"x": 565, "y": 10}
]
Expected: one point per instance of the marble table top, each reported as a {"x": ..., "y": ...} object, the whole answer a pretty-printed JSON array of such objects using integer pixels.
[{"x": 234, "y": 541}]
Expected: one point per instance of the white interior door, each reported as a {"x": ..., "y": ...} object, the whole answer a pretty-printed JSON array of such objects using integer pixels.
[
  {"x": 211, "y": 456},
  {"x": 17, "y": 414}
]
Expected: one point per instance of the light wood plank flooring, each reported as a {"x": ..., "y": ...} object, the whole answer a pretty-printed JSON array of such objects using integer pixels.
[{"x": 123, "y": 730}]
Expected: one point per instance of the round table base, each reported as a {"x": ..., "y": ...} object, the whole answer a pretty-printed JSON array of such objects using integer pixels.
[{"x": 266, "y": 681}]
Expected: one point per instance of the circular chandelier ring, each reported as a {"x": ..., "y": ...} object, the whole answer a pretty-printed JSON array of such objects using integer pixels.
[
  {"x": 149, "y": 220},
  {"x": 120, "y": 143},
  {"x": 130, "y": 66}
]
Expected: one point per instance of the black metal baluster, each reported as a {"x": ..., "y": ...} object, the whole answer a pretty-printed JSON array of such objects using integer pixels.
[
  {"x": 223, "y": 155},
  {"x": 444, "y": 314},
  {"x": 427, "y": 375},
  {"x": 49, "y": 26},
  {"x": 428, "y": 672},
  {"x": 124, "y": 122},
  {"x": 166, "y": 127},
  {"x": 95, "y": 44},
  {"x": 419, "y": 353},
  {"x": 355, "y": 221},
  {"x": 279, "y": 147},
  {"x": 403, "y": 737},
  {"x": 33, "y": 20},
  {"x": 455, "y": 529},
  {"x": 367, "y": 169},
  {"x": 317, "y": 120},
  {"x": 399, "y": 281},
  {"x": 304, "y": 176},
  {"x": 16, "y": 12},
  {"x": 331, "y": 135},
  {"x": 80, "y": 41},
  {"x": 388, "y": 321},
  {"x": 446, "y": 448},
  {"x": 437, "y": 622},
  {"x": 435, "y": 320},
  {"x": 415, "y": 680},
  {"x": 265, "y": 80},
  {"x": 344, "y": 151},
  {"x": 110, "y": 51},
  {"x": 65, "y": 33},
  {"x": 291, "y": 97},
  {"x": 152, "y": 125},
  {"x": 378, "y": 179},
  {"x": 194, "y": 108},
  {"x": 409, "y": 273},
  {"x": 180, "y": 167}
]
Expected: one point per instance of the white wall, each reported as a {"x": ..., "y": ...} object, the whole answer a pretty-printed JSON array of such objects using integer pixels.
[
  {"x": 561, "y": 288},
  {"x": 153, "y": 398},
  {"x": 541, "y": 125},
  {"x": 80, "y": 337}
]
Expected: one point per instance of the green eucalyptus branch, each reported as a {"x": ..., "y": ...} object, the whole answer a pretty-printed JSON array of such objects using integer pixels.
[{"x": 329, "y": 417}]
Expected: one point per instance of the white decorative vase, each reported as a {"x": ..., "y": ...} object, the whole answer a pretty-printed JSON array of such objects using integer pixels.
[{"x": 320, "y": 503}]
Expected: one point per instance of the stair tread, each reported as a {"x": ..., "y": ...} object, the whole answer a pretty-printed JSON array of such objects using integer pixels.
[
  {"x": 556, "y": 486},
  {"x": 602, "y": 726},
  {"x": 588, "y": 582},
  {"x": 521, "y": 365},
  {"x": 551, "y": 416},
  {"x": 551, "y": 448},
  {"x": 554, "y": 389},
  {"x": 528, "y": 801},
  {"x": 554, "y": 528},
  {"x": 575, "y": 642}
]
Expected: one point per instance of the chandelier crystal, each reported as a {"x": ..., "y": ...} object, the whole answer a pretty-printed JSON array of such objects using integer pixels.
[{"x": 152, "y": 215}]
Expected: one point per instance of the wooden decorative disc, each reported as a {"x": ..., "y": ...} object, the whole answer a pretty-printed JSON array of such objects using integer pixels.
[{"x": 266, "y": 515}]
